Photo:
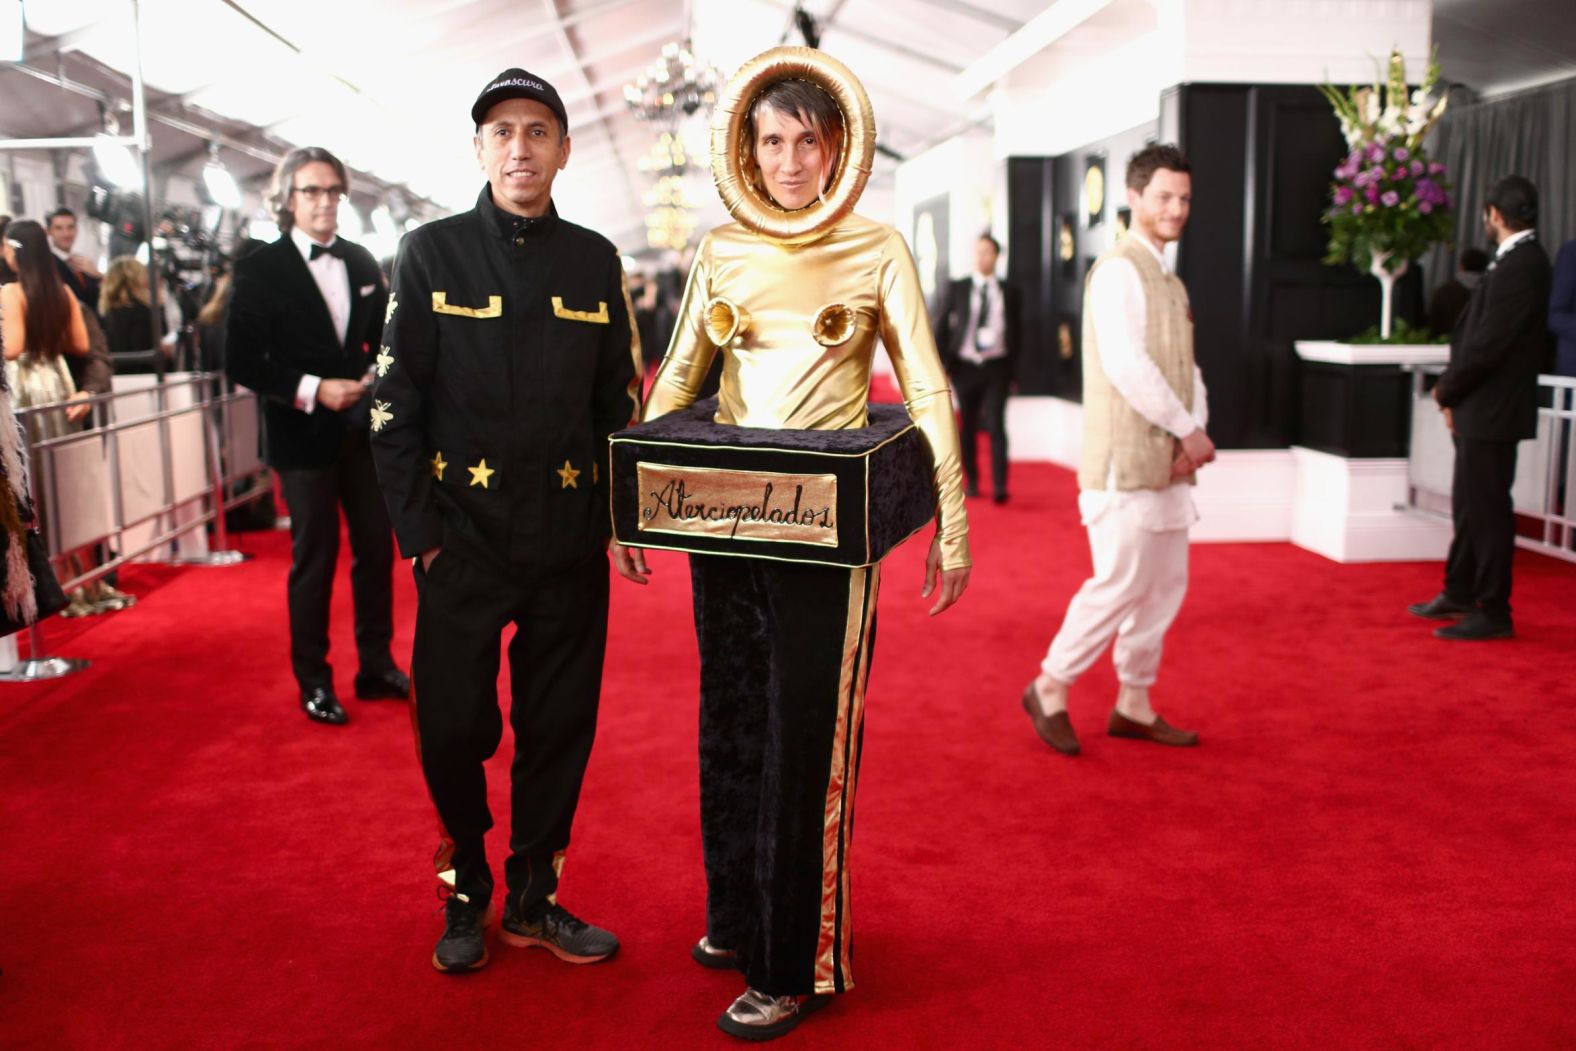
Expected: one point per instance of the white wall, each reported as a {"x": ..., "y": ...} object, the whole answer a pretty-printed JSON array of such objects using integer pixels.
[{"x": 964, "y": 169}]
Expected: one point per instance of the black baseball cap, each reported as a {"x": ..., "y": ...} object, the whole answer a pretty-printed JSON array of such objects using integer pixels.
[{"x": 518, "y": 84}]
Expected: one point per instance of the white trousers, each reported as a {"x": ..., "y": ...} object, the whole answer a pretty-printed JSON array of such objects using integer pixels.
[{"x": 1140, "y": 577}]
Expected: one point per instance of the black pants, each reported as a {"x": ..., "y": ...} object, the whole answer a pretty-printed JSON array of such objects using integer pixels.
[
  {"x": 982, "y": 402},
  {"x": 315, "y": 496},
  {"x": 555, "y": 678},
  {"x": 784, "y": 656},
  {"x": 1478, "y": 567}
]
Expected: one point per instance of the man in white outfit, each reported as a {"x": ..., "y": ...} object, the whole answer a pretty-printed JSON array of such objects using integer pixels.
[{"x": 1144, "y": 440}]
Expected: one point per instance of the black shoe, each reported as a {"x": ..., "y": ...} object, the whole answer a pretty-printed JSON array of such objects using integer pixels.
[
  {"x": 463, "y": 946},
  {"x": 548, "y": 925},
  {"x": 708, "y": 955},
  {"x": 392, "y": 685},
  {"x": 971, "y": 490},
  {"x": 1476, "y": 626},
  {"x": 998, "y": 498},
  {"x": 1440, "y": 607},
  {"x": 321, "y": 706}
]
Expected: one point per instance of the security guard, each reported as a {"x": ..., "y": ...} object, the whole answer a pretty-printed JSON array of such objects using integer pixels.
[{"x": 509, "y": 357}]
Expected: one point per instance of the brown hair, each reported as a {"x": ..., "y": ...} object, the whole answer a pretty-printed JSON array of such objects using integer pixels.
[
  {"x": 283, "y": 183},
  {"x": 125, "y": 284},
  {"x": 46, "y": 324},
  {"x": 1141, "y": 166},
  {"x": 806, "y": 103}
]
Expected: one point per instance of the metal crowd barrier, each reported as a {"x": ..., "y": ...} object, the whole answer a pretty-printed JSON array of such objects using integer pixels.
[
  {"x": 1545, "y": 465},
  {"x": 145, "y": 479}
]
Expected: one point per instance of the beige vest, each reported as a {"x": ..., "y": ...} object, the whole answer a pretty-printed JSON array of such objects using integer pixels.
[{"x": 1116, "y": 439}]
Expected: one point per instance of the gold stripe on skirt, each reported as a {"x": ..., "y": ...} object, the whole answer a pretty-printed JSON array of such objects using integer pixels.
[{"x": 832, "y": 837}]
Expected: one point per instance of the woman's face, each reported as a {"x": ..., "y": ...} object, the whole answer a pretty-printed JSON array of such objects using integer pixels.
[{"x": 794, "y": 163}]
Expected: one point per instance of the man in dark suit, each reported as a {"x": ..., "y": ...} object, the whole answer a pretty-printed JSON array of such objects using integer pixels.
[
  {"x": 77, "y": 272},
  {"x": 977, "y": 334},
  {"x": 1489, "y": 395},
  {"x": 303, "y": 328}
]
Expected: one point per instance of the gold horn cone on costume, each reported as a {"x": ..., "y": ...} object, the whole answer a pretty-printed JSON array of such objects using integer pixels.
[
  {"x": 732, "y": 159},
  {"x": 833, "y": 325},
  {"x": 725, "y": 320}
]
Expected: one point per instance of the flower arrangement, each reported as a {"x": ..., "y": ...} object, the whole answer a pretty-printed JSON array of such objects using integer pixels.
[{"x": 1388, "y": 202}]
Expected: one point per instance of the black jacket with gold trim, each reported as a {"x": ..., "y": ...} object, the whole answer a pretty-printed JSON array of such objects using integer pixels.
[{"x": 508, "y": 358}]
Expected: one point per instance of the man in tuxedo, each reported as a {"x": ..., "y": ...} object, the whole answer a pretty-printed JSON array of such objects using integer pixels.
[
  {"x": 78, "y": 273},
  {"x": 1489, "y": 394},
  {"x": 977, "y": 334},
  {"x": 304, "y": 324}
]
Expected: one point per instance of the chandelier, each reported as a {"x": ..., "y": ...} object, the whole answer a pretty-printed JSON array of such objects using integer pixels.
[
  {"x": 666, "y": 157},
  {"x": 671, "y": 220},
  {"x": 676, "y": 84}
]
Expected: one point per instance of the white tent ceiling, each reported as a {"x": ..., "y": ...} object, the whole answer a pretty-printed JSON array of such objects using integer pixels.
[{"x": 388, "y": 84}]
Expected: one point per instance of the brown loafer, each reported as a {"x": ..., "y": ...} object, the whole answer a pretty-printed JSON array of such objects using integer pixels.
[
  {"x": 1161, "y": 732},
  {"x": 1055, "y": 730}
]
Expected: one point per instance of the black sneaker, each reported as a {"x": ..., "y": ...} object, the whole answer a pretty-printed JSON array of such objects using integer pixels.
[
  {"x": 463, "y": 946},
  {"x": 548, "y": 925}
]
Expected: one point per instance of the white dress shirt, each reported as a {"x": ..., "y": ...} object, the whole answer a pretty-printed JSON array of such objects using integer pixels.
[
  {"x": 333, "y": 281},
  {"x": 990, "y": 344},
  {"x": 1511, "y": 242},
  {"x": 1116, "y": 305}
]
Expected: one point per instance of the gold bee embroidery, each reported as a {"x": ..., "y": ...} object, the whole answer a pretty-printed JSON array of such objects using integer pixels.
[
  {"x": 388, "y": 313},
  {"x": 380, "y": 415},
  {"x": 384, "y": 360}
]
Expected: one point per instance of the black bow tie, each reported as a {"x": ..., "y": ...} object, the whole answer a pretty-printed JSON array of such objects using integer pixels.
[{"x": 337, "y": 249}]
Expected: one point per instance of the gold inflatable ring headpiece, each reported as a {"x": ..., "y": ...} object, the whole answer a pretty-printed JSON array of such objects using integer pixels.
[
  {"x": 733, "y": 161},
  {"x": 725, "y": 321}
]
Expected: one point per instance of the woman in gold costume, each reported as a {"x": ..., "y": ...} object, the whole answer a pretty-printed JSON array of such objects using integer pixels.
[{"x": 794, "y": 295}]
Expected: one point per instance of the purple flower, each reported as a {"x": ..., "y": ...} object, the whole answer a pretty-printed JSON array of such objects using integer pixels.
[
  {"x": 1372, "y": 193},
  {"x": 1343, "y": 194},
  {"x": 1391, "y": 199},
  {"x": 1357, "y": 208},
  {"x": 1398, "y": 174},
  {"x": 1417, "y": 168},
  {"x": 1401, "y": 153},
  {"x": 1373, "y": 175},
  {"x": 1435, "y": 168},
  {"x": 1375, "y": 153},
  {"x": 1425, "y": 207}
]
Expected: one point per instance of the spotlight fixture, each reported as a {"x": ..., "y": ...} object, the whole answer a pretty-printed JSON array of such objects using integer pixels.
[{"x": 218, "y": 181}]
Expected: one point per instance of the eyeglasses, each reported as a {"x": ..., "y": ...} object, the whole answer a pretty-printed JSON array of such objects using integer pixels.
[{"x": 317, "y": 193}]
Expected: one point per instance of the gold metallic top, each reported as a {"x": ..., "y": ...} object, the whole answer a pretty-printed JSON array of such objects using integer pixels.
[{"x": 798, "y": 326}]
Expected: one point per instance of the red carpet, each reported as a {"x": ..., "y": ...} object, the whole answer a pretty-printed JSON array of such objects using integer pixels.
[{"x": 1370, "y": 850}]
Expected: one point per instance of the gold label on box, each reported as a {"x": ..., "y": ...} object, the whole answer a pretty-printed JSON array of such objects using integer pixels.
[{"x": 740, "y": 505}]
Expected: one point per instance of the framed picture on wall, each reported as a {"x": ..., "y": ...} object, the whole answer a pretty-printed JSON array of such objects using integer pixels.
[
  {"x": 1067, "y": 245},
  {"x": 1124, "y": 222},
  {"x": 1094, "y": 191},
  {"x": 1066, "y": 338},
  {"x": 930, "y": 246}
]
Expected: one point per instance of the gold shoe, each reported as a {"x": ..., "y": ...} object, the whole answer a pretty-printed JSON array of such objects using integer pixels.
[
  {"x": 708, "y": 955},
  {"x": 111, "y": 599},
  {"x": 756, "y": 1016},
  {"x": 79, "y": 606}
]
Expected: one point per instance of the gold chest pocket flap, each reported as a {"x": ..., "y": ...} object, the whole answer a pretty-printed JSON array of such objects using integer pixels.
[
  {"x": 596, "y": 317},
  {"x": 440, "y": 305}
]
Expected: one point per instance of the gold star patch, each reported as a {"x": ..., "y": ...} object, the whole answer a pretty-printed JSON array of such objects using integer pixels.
[
  {"x": 388, "y": 312},
  {"x": 593, "y": 472},
  {"x": 438, "y": 465},
  {"x": 380, "y": 415},
  {"x": 480, "y": 473},
  {"x": 568, "y": 475},
  {"x": 384, "y": 360}
]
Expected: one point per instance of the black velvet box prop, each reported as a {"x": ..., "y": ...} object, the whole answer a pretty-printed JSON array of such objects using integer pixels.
[{"x": 840, "y": 498}]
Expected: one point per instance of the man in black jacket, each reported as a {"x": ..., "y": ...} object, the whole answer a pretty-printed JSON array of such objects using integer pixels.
[
  {"x": 1489, "y": 395},
  {"x": 511, "y": 357},
  {"x": 977, "y": 334},
  {"x": 303, "y": 325},
  {"x": 76, "y": 271}
]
